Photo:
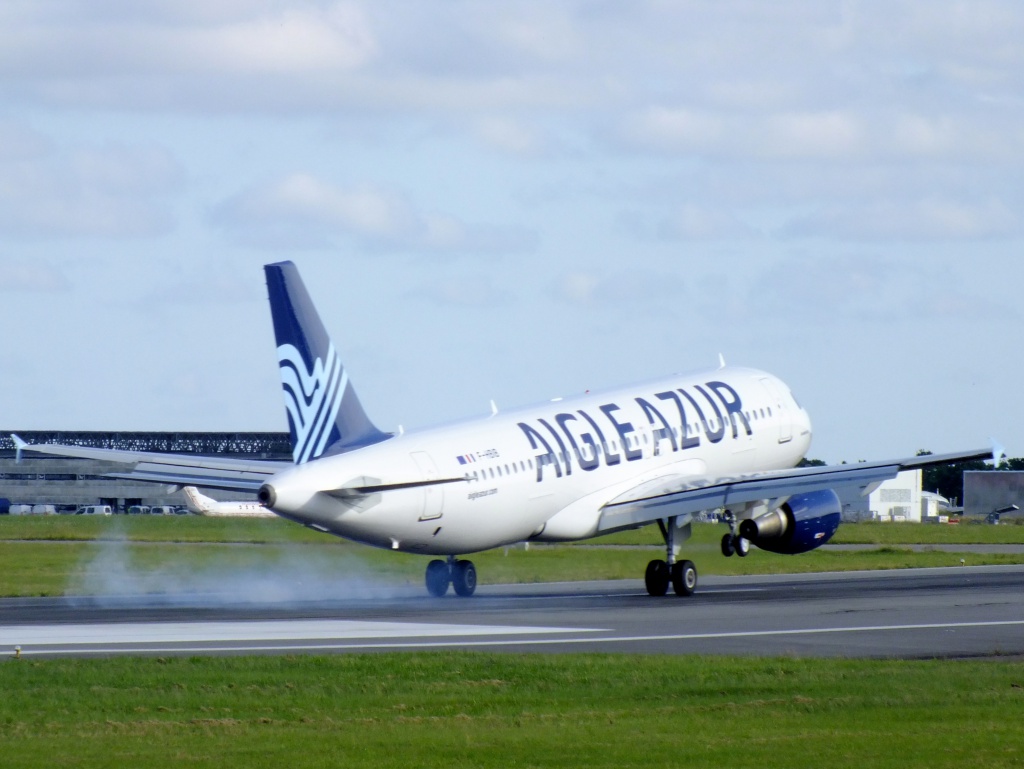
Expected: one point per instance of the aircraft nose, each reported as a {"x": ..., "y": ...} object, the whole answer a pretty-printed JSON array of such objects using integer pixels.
[{"x": 266, "y": 495}]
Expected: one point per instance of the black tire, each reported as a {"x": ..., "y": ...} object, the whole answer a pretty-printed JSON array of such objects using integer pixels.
[
  {"x": 742, "y": 546},
  {"x": 464, "y": 578},
  {"x": 727, "y": 545},
  {"x": 437, "y": 578},
  {"x": 684, "y": 578},
  {"x": 656, "y": 578}
]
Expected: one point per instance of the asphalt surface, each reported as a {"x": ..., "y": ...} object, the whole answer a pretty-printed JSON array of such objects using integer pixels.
[{"x": 953, "y": 612}]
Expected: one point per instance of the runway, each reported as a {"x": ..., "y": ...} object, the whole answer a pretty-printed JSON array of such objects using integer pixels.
[{"x": 952, "y": 612}]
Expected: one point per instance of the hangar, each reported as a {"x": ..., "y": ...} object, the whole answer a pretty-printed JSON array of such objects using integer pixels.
[
  {"x": 900, "y": 499},
  {"x": 71, "y": 483}
]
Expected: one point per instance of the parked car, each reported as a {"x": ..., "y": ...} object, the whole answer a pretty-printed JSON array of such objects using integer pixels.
[
  {"x": 96, "y": 510},
  {"x": 139, "y": 510},
  {"x": 161, "y": 510}
]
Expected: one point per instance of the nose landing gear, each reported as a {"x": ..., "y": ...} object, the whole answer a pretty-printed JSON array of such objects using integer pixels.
[{"x": 733, "y": 543}]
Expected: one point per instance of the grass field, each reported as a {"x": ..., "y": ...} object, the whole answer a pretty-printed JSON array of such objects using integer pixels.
[
  {"x": 477, "y": 710},
  {"x": 473, "y": 710},
  {"x": 57, "y": 555},
  {"x": 190, "y": 528}
]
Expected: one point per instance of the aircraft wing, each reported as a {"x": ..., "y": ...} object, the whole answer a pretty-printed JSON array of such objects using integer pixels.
[
  {"x": 173, "y": 469},
  {"x": 673, "y": 497}
]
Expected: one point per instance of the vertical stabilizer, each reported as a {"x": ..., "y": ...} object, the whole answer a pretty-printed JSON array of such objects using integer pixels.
[
  {"x": 324, "y": 413},
  {"x": 197, "y": 503}
]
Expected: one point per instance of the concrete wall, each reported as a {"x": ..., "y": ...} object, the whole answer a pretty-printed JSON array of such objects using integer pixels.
[{"x": 988, "y": 491}]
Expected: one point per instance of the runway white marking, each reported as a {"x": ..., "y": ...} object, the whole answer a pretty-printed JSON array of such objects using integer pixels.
[
  {"x": 116, "y": 633},
  {"x": 380, "y": 632}
]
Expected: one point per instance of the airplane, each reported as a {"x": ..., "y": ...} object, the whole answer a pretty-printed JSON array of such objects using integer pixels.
[
  {"x": 200, "y": 504},
  {"x": 656, "y": 453}
]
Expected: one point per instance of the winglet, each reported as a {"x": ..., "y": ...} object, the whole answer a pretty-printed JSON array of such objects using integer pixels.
[
  {"x": 19, "y": 446},
  {"x": 721, "y": 360},
  {"x": 998, "y": 452}
]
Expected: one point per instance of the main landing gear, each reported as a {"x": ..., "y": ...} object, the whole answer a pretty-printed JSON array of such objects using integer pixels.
[
  {"x": 682, "y": 575},
  {"x": 461, "y": 575},
  {"x": 733, "y": 543}
]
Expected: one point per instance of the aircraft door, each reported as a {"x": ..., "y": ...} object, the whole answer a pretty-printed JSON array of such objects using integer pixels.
[
  {"x": 433, "y": 495},
  {"x": 779, "y": 409}
]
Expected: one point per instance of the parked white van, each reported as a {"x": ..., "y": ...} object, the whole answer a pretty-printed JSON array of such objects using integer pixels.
[
  {"x": 161, "y": 510},
  {"x": 96, "y": 510}
]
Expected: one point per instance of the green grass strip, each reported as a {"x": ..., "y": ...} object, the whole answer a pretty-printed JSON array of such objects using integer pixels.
[
  {"x": 58, "y": 555},
  {"x": 492, "y": 710},
  {"x": 337, "y": 569}
]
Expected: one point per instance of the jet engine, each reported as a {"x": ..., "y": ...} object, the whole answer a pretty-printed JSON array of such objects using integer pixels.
[{"x": 804, "y": 522}]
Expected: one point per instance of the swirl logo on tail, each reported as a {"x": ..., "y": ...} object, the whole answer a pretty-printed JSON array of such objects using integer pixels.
[{"x": 312, "y": 397}]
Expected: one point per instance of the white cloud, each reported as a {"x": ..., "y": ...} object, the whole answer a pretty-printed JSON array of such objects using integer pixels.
[
  {"x": 640, "y": 288},
  {"x": 509, "y": 135},
  {"x": 20, "y": 275},
  {"x": 577, "y": 287},
  {"x": 64, "y": 41},
  {"x": 830, "y": 292},
  {"x": 336, "y": 38},
  {"x": 689, "y": 222},
  {"x": 109, "y": 191},
  {"x": 931, "y": 218},
  {"x": 18, "y": 141},
  {"x": 831, "y": 135},
  {"x": 304, "y": 211},
  {"x": 464, "y": 291}
]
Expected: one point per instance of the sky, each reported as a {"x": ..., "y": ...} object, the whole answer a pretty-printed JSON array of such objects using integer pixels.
[{"x": 515, "y": 201}]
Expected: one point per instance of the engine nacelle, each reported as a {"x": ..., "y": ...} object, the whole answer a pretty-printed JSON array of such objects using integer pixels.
[{"x": 803, "y": 523}]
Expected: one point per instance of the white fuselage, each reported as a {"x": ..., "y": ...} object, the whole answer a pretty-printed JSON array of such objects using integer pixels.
[
  {"x": 199, "y": 504},
  {"x": 545, "y": 472}
]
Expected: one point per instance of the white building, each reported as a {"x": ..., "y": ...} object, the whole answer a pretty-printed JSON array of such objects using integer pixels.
[{"x": 899, "y": 499}]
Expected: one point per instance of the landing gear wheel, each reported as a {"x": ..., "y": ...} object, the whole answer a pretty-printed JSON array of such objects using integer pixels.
[
  {"x": 437, "y": 578},
  {"x": 684, "y": 577},
  {"x": 741, "y": 545},
  {"x": 464, "y": 578},
  {"x": 656, "y": 578},
  {"x": 728, "y": 546}
]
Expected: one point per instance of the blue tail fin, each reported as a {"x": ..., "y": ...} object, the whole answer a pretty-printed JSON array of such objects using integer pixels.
[{"x": 324, "y": 414}]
